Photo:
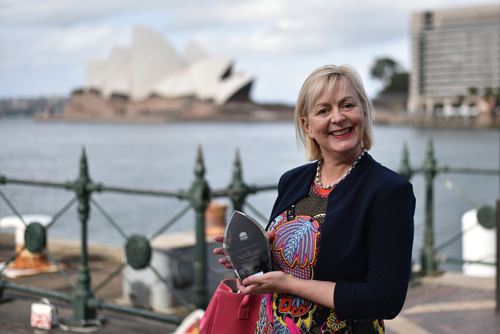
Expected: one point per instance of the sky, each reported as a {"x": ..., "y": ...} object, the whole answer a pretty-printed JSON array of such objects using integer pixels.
[{"x": 44, "y": 44}]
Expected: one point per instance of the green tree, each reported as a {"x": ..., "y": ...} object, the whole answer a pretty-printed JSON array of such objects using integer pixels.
[{"x": 391, "y": 74}]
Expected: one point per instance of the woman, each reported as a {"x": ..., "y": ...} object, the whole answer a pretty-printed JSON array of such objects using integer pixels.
[{"x": 341, "y": 227}]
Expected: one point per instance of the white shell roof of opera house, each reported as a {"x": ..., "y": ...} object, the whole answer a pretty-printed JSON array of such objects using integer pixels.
[{"x": 152, "y": 67}]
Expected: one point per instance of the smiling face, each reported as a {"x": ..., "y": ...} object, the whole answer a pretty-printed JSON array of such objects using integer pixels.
[{"x": 336, "y": 122}]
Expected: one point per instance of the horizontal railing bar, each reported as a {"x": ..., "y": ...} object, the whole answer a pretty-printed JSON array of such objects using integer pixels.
[
  {"x": 137, "y": 191},
  {"x": 97, "y": 187},
  {"x": 250, "y": 190},
  {"x": 478, "y": 171},
  {"x": 35, "y": 291},
  {"x": 254, "y": 189},
  {"x": 460, "y": 261},
  {"x": 140, "y": 312},
  {"x": 38, "y": 183},
  {"x": 94, "y": 302},
  {"x": 141, "y": 191},
  {"x": 459, "y": 170}
]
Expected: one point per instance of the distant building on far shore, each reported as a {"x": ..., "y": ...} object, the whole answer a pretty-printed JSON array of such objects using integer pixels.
[
  {"x": 150, "y": 82},
  {"x": 41, "y": 107},
  {"x": 455, "y": 63}
]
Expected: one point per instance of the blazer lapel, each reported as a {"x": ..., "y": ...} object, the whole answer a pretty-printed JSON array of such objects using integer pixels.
[{"x": 297, "y": 187}]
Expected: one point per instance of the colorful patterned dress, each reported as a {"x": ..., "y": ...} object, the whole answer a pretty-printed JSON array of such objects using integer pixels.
[{"x": 294, "y": 250}]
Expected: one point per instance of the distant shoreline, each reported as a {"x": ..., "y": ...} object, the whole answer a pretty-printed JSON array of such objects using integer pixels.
[{"x": 381, "y": 118}]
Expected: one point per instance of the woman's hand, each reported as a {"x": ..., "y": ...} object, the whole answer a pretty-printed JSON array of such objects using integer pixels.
[
  {"x": 271, "y": 282},
  {"x": 224, "y": 261},
  {"x": 320, "y": 292}
]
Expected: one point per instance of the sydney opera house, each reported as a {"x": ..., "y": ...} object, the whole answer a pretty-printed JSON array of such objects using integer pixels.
[{"x": 149, "y": 81}]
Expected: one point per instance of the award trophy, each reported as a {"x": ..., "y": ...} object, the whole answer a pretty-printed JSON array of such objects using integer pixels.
[{"x": 246, "y": 246}]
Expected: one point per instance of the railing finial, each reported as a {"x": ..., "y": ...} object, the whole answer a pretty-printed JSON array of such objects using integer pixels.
[
  {"x": 237, "y": 174},
  {"x": 404, "y": 168},
  {"x": 199, "y": 169},
  {"x": 199, "y": 196},
  {"x": 84, "y": 170},
  {"x": 238, "y": 188}
]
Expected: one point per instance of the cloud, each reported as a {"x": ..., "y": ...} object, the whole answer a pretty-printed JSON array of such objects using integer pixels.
[
  {"x": 278, "y": 41},
  {"x": 55, "y": 45},
  {"x": 224, "y": 13},
  {"x": 285, "y": 27},
  {"x": 70, "y": 12},
  {"x": 52, "y": 60}
]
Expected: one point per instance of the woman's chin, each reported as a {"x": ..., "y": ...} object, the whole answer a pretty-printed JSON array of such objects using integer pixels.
[{"x": 345, "y": 150}]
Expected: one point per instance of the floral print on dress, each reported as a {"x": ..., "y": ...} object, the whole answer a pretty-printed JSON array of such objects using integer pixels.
[
  {"x": 296, "y": 242},
  {"x": 334, "y": 323}
]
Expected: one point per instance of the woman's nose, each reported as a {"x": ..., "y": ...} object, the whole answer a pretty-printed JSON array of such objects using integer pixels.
[{"x": 337, "y": 116}]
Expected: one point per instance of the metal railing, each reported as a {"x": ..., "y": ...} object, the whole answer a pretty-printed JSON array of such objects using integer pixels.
[
  {"x": 486, "y": 215},
  {"x": 198, "y": 196},
  {"x": 430, "y": 169},
  {"x": 138, "y": 247}
]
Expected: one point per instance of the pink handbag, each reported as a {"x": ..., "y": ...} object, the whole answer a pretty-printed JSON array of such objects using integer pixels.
[{"x": 230, "y": 311}]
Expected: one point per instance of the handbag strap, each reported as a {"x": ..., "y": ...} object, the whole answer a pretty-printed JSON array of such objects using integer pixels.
[{"x": 244, "y": 307}]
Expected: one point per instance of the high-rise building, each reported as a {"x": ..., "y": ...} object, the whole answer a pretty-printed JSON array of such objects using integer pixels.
[{"x": 455, "y": 59}]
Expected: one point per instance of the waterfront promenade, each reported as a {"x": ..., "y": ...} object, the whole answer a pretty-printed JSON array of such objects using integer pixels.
[{"x": 450, "y": 303}]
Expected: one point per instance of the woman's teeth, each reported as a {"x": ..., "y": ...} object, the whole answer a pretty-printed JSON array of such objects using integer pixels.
[{"x": 341, "y": 132}]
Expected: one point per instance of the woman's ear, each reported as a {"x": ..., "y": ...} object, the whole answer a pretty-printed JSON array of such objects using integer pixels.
[{"x": 305, "y": 125}]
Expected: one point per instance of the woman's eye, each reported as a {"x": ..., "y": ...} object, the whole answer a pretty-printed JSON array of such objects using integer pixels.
[
  {"x": 322, "y": 111},
  {"x": 348, "y": 105}
]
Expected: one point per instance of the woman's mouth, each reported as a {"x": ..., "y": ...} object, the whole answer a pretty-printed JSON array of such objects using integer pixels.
[{"x": 342, "y": 132}]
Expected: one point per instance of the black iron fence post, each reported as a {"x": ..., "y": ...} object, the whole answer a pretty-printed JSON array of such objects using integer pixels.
[
  {"x": 429, "y": 259},
  {"x": 199, "y": 196},
  {"x": 83, "y": 189},
  {"x": 404, "y": 168},
  {"x": 428, "y": 255}
]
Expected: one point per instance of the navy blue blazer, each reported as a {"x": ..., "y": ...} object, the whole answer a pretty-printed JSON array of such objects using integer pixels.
[{"x": 367, "y": 237}]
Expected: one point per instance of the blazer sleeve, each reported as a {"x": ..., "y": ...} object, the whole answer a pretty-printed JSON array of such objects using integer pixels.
[{"x": 389, "y": 247}]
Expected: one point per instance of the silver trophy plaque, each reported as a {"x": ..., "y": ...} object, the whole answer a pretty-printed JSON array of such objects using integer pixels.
[{"x": 246, "y": 246}]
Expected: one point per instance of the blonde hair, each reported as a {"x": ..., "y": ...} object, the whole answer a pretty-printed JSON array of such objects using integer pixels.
[{"x": 324, "y": 79}]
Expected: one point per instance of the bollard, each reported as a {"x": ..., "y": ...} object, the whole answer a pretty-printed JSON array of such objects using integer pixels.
[
  {"x": 498, "y": 259},
  {"x": 215, "y": 218},
  {"x": 27, "y": 263}
]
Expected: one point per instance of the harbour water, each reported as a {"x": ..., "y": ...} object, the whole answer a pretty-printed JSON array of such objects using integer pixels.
[{"x": 162, "y": 156}]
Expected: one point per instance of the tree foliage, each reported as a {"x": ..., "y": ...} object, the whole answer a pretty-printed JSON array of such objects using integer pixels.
[{"x": 391, "y": 74}]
